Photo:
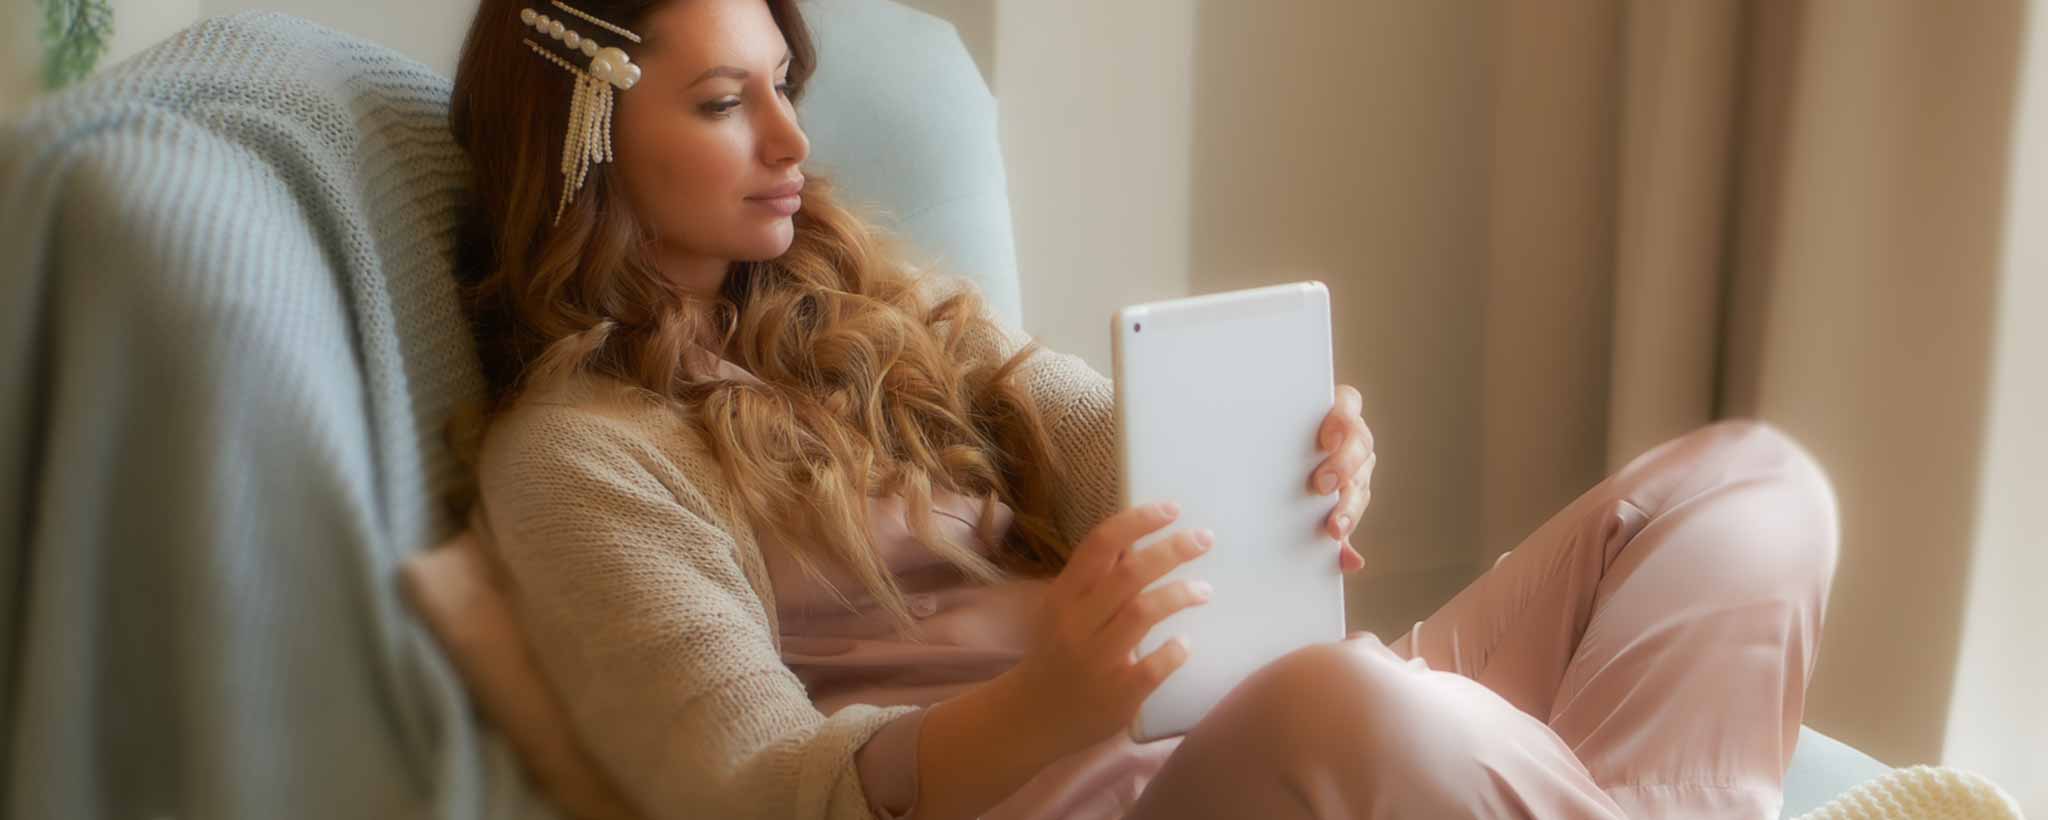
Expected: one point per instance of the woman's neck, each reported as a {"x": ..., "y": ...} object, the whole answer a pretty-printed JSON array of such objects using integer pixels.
[
  {"x": 694, "y": 273},
  {"x": 700, "y": 278}
]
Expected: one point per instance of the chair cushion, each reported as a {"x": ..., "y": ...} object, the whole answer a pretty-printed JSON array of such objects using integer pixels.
[
  {"x": 458, "y": 589},
  {"x": 1823, "y": 767}
]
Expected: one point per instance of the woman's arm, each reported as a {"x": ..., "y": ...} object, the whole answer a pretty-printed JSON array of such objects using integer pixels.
[
  {"x": 957, "y": 758},
  {"x": 641, "y": 617}
]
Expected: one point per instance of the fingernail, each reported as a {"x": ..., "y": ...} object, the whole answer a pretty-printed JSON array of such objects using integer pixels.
[
  {"x": 1167, "y": 508},
  {"x": 1326, "y": 482},
  {"x": 1205, "y": 539},
  {"x": 1343, "y": 523},
  {"x": 1201, "y": 589}
]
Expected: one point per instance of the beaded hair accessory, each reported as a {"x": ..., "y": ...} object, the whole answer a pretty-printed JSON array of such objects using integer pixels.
[{"x": 590, "y": 107}]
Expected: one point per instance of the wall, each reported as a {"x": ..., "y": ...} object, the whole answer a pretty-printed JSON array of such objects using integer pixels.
[
  {"x": 1996, "y": 722},
  {"x": 1096, "y": 102},
  {"x": 429, "y": 32},
  {"x": 20, "y": 66},
  {"x": 976, "y": 22}
]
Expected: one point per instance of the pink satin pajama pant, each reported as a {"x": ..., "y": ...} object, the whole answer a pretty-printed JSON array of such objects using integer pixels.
[{"x": 1645, "y": 653}]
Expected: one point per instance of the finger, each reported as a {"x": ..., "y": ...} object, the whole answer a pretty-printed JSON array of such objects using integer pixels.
[
  {"x": 1140, "y": 614},
  {"x": 1349, "y": 503},
  {"x": 1348, "y": 559},
  {"x": 1357, "y": 428},
  {"x": 1331, "y": 432},
  {"x": 1136, "y": 572},
  {"x": 1350, "y": 509},
  {"x": 1106, "y": 543},
  {"x": 1152, "y": 670},
  {"x": 1359, "y": 500},
  {"x": 1342, "y": 466},
  {"x": 1349, "y": 405}
]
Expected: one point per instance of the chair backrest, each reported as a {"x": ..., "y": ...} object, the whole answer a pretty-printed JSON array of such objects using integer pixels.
[{"x": 900, "y": 116}]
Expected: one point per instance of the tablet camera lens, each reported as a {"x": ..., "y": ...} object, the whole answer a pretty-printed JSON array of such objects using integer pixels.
[{"x": 1137, "y": 327}]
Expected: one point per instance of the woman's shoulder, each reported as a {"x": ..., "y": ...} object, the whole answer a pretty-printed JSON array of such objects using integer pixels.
[
  {"x": 590, "y": 416},
  {"x": 936, "y": 285},
  {"x": 993, "y": 338},
  {"x": 599, "y": 445}
]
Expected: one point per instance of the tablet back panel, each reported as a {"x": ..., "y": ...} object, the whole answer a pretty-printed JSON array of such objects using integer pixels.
[{"x": 1219, "y": 399}]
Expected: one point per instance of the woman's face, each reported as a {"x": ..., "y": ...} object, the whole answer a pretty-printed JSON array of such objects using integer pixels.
[{"x": 708, "y": 143}]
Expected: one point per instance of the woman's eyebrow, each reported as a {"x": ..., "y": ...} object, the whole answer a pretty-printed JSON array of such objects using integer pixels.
[{"x": 731, "y": 72}]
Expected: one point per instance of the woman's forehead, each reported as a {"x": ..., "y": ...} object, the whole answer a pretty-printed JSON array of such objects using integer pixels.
[{"x": 692, "y": 36}]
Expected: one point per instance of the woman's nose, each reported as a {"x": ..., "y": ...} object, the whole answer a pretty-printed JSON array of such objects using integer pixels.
[{"x": 783, "y": 140}]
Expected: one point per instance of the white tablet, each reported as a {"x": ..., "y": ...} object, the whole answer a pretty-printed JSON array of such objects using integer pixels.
[{"x": 1218, "y": 402}]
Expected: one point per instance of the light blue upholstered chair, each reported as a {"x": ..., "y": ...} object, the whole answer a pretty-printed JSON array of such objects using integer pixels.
[{"x": 229, "y": 337}]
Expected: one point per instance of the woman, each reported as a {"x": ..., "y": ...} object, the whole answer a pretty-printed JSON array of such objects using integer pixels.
[{"x": 797, "y": 532}]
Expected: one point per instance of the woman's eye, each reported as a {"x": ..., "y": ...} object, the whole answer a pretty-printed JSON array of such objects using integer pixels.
[{"x": 721, "y": 107}]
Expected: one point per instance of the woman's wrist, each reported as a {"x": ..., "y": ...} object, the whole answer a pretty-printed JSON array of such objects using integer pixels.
[
  {"x": 978, "y": 747},
  {"x": 1033, "y": 725}
]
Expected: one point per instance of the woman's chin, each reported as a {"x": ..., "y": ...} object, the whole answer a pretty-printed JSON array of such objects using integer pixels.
[{"x": 770, "y": 244}]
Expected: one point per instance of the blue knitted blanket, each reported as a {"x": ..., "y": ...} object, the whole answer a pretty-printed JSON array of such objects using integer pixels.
[{"x": 228, "y": 338}]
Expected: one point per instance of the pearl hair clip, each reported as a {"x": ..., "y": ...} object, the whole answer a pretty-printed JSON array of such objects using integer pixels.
[{"x": 590, "y": 108}]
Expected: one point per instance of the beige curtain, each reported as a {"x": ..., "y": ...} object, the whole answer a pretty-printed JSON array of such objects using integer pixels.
[
  {"x": 1787, "y": 210},
  {"x": 1611, "y": 164}
]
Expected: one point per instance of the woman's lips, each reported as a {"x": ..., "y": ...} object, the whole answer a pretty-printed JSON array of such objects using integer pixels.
[
  {"x": 783, "y": 199},
  {"x": 783, "y": 205}
]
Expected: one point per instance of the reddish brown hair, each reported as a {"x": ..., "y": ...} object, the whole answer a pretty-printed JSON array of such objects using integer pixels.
[{"x": 867, "y": 387}]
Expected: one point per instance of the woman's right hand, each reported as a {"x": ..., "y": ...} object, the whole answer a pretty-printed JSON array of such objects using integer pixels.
[{"x": 1078, "y": 682}]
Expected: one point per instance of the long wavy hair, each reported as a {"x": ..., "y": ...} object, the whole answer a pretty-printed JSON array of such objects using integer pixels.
[{"x": 867, "y": 387}]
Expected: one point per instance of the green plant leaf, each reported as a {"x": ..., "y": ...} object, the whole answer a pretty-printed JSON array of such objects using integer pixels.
[{"x": 75, "y": 36}]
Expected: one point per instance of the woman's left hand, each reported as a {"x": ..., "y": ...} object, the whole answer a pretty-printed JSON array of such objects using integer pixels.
[{"x": 1348, "y": 469}]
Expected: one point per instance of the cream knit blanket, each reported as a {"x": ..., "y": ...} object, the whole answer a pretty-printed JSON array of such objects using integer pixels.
[{"x": 1921, "y": 793}]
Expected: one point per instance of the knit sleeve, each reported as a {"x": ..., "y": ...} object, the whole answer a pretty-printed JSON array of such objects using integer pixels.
[
  {"x": 1079, "y": 408},
  {"x": 641, "y": 616}
]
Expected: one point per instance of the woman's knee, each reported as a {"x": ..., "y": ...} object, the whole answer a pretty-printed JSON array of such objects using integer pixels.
[
  {"x": 1353, "y": 698},
  {"x": 1351, "y": 723},
  {"x": 1803, "y": 496},
  {"x": 1772, "y": 505}
]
